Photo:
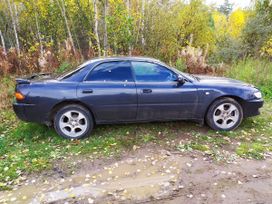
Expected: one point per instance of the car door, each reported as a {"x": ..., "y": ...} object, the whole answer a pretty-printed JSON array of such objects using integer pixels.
[
  {"x": 160, "y": 96},
  {"x": 109, "y": 89}
]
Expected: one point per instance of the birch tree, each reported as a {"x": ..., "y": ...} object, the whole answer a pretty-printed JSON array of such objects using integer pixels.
[
  {"x": 39, "y": 33},
  {"x": 63, "y": 12},
  {"x": 14, "y": 24},
  {"x": 143, "y": 23},
  {"x": 128, "y": 27},
  {"x": 3, "y": 43},
  {"x": 105, "y": 28},
  {"x": 95, "y": 2}
]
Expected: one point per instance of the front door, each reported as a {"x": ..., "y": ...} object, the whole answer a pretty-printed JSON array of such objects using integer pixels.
[
  {"x": 110, "y": 92},
  {"x": 160, "y": 97}
]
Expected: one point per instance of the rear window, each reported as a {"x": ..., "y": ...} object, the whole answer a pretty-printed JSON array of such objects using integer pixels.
[
  {"x": 111, "y": 72},
  {"x": 76, "y": 75}
]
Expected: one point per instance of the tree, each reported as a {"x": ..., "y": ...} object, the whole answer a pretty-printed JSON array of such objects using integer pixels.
[
  {"x": 105, "y": 28},
  {"x": 3, "y": 43},
  {"x": 226, "y": 8},
  {"x": 95, "y": 2},
  {"x": 220, "y": 25},
  {"x": 12, "y": 8},
  {"x": 237, "y": 20},
  {"x": 63, "y": 11}
]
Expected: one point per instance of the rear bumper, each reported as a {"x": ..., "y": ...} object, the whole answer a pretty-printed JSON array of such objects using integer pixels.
[
  {"x": 251, "y": 108},
  {"x": 28, "y": 112},
  {"x": 20, "y": 110}
]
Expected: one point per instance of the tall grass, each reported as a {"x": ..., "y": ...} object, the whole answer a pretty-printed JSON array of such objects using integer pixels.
[
  {"x": 7, "y": 85},
  {"x": 254, "y": 71}
]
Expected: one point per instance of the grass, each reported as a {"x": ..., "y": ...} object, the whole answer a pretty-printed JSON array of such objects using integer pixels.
[
  {"x": 253, "y": 139},
  {"x": 254, "y": 71},
  {"x": 27, "y": 147}
]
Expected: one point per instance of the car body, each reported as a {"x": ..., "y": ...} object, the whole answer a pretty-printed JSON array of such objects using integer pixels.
[{"x": 134, "y": 89}]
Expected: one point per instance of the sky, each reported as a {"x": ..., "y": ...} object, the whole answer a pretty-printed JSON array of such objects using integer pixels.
[{"x": 237, "y": 3}]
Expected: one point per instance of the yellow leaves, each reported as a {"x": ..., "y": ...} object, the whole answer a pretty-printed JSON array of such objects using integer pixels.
[
  {"x": 237, "y": 22},
  {"x": 267, "y": 48},
  {"x": 220, "y": 24},
  {"x": 231, "y": 26}
]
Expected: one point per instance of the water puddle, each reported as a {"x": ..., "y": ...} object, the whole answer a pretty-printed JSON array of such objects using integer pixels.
[{"x": 135, "y": 179}]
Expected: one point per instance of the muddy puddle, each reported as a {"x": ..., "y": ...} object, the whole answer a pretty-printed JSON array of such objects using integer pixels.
[
  {"x": 152, "y": 176},
  {"x": 135, "y": 179}
]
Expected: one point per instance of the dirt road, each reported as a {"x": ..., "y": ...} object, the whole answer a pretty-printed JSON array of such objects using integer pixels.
[{"x": 149, "y": 175}]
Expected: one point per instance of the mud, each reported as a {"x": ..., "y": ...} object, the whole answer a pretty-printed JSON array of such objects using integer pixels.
[{"x": 150, "y": 175}]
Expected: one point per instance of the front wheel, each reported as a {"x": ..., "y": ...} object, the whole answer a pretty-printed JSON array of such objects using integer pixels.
[
  {"x": 224, "y": 114},
  {"x": 73, "y": 122}
]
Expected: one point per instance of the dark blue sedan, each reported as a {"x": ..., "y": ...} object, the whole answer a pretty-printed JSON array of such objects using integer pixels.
[{"x": 132, "y": 89}]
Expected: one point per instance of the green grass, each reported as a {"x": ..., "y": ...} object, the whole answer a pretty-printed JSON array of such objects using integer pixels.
[
  {"x": 251, "y": 140},
  {"x": 254, "y": 71},
  {"x": 27, "y": 147}
]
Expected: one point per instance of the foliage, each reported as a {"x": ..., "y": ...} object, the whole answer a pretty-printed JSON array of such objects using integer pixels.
[
  {"x": 7, "y": 91},
  {"x": 237, "y": 20},
  {"x": 266, "y": 50},
  {"x": 64, "y": 67},
  {"x": 220, "y": 25},
  {"x": 228, "y": 51},
  {"x": 226, "y": 8},
  {"x": 258, "y": 29},
  {"x": 257, "y": 72},
  {"x": 194, "y": 21}
]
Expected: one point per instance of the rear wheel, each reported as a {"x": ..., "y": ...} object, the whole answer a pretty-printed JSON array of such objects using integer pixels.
[
  {"x": 73, "y": 122},
  {"x": 224, "y": 114}
]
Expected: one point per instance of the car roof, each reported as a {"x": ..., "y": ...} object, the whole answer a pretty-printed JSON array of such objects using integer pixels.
[{"x": 117, "y": 58}]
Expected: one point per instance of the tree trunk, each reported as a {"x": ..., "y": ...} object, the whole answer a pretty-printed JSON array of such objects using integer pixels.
[
  {"x": 105, "y": 28},
  {"x": 63, "y": 11},
  {"x": 129, "y": 31},
  {"x": 3, "y": 43},
  {"x": 13, "y": 19},
  {"x": 39, "y": 34},
  {"x": 143, "y": 23},
  {"x": 96, "y": 27}
]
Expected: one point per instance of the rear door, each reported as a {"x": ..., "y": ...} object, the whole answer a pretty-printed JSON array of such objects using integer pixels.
[
  {"x": 110, "y": 92},
  {"x": 160, "y": 97}
]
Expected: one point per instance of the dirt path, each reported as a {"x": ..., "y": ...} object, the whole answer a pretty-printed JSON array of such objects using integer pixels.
[{"x": 152, "y": 175}]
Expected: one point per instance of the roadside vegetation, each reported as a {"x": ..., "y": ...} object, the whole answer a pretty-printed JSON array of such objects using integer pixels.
[{"x": 217, "y": 41}]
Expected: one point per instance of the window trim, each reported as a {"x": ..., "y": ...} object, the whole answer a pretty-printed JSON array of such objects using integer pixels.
[
  {"x": 98, "y": 64},
  {"x": 134, "y": 74}
]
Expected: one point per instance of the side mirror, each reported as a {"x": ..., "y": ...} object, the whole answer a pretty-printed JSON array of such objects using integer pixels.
[{"x": 180, "y": 80}]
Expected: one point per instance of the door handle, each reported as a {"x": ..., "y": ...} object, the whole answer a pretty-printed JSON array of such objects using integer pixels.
[
  {"x": 147, "y": 90},
  {"x": 87, "y": 91}
]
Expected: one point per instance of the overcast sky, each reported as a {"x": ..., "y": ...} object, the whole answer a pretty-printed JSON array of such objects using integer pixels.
[{"x": 237, "y": 3}]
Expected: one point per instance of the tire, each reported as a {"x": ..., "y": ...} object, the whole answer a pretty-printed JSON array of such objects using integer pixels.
[
  {"x": 73, "y": 122},
  {"x": 224, "y": 114}
]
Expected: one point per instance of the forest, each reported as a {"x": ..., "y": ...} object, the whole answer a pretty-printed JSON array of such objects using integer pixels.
[
  {"x": 56, "y": 35},
  {"x": 42, "y": 35},
  {"x": 53, "y": 36}
]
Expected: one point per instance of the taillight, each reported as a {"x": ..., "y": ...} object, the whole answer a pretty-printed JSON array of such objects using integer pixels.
[{"x": 19, "y": 96}]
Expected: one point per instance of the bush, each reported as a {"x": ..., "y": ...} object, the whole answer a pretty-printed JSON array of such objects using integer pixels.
[
  {"x": 227, "y": 51},
  {"x": 64, "y": 67},
  {"x": 181, "y": 64},
  {"x": 254, "y": 71}
]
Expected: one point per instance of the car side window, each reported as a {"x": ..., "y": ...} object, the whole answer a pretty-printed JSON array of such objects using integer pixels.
[
  {"x": 111, "y": 71},
  {"x": 149, "y": 72}
]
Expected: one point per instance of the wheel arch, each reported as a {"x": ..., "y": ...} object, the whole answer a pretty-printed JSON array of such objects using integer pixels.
[
  {"x": 61, "y": 104},
  {"x": 240, "y": 100}
]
